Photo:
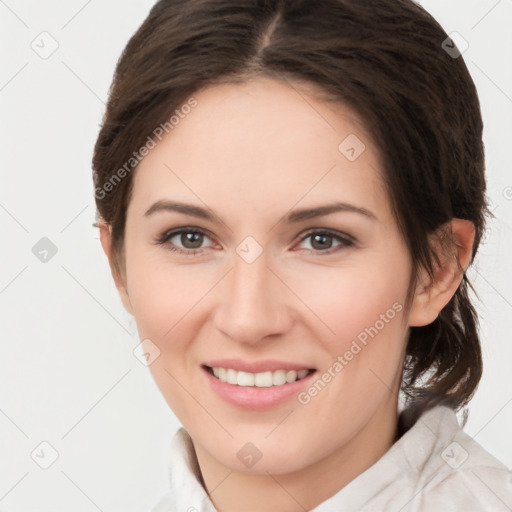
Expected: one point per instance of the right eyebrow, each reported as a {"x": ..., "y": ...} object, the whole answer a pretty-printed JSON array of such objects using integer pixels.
[{"x": 187, "y": 209}]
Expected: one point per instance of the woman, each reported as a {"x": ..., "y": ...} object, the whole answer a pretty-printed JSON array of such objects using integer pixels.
[{"x": 289, "y": 194}]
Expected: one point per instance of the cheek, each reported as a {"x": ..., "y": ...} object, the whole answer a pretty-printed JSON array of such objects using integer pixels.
[
  {"x": 163, "y": 295},
  {"x": 167, "y": 301},
  {"x": 363, "y": 358},
  {"x": 352, "y": 301}
]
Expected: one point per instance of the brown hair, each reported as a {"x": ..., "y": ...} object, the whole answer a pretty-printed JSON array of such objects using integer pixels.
[{"x": 386, "y": 60}]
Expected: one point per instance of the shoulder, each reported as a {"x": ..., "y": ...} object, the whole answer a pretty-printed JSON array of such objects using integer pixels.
[
  {"x": 458, "y": 473},
  {"x": 474, "y": 477}
]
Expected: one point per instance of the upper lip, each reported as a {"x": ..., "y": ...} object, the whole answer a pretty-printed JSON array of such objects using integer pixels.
[{"x": 266, "y": 365}]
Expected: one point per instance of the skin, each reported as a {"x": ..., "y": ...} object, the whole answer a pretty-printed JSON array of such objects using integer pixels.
[{"x": 251, "y": 153}]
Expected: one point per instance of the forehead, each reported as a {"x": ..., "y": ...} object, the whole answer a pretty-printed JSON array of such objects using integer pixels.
[{"x": 262, "y": 145}]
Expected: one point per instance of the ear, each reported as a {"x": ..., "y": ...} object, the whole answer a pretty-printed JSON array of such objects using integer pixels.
[
  {"x": 119, "y": 278},
  {"x": 432, "y": 294}
]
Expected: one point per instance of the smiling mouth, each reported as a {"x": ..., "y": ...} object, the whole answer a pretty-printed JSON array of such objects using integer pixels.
[{"x": 260, "y": 380}]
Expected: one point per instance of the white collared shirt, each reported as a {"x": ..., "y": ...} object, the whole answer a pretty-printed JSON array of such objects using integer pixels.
[{"x": 435, "y": 466}]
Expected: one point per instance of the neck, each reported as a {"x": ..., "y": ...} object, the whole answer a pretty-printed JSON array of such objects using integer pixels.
[{"x": 232, "y": 491}]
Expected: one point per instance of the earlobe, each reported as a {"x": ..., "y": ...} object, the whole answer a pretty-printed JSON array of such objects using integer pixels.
[
  {"x": 433, "y": 293},
  {"x": 106, "y": 243}
]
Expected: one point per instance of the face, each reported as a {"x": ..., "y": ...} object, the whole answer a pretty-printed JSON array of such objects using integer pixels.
[{"x": 260, "y": 248}]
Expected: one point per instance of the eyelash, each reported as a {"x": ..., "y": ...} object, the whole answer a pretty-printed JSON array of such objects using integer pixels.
[{"x": 346, "y": 241}]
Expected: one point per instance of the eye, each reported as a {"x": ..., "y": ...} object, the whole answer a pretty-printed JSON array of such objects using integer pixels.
[
  {"x": 187, "y": 241},
  {"x": 322, "y": 242}
]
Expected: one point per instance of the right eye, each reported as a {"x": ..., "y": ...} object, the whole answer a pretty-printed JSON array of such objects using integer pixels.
[{"x": 184, "y": 240}]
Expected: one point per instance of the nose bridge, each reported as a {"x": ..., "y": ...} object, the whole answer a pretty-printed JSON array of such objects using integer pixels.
[
  {"x": 250, "y": 281},
  {"x": 252, "y": 302}
]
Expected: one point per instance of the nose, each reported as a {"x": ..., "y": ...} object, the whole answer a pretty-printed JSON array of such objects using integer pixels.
[{"x": 252, "y": 306}]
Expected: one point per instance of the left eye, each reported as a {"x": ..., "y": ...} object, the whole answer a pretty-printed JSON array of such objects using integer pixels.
[{"x": 322, "y": 241}]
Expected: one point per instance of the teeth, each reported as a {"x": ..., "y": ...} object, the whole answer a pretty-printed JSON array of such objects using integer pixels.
[
  {"x": 243, "y": 378},
  {"x": 231, "y": 376},
  {"x": 259, "y": 380},
  {"x": 291, "y": 376},
  {"x": 279, "y": 378}
]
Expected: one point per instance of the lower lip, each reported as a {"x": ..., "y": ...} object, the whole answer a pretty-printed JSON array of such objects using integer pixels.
[{"x": 254, "y": 398}]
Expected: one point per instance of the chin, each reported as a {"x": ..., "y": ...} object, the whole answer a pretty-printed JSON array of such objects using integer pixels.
[{"x": 265, "y": 456}]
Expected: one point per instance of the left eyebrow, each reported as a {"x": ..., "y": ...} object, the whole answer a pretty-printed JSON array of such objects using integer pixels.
[
  {"x": 293, "y": 217},
  {"x": 319, "y": 211}
]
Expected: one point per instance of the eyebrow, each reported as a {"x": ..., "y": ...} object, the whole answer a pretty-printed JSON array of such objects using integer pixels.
[{"x": 292, "y": 217}]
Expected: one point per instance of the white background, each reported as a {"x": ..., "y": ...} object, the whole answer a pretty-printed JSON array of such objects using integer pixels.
[{"x": 68, "y": 375}]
